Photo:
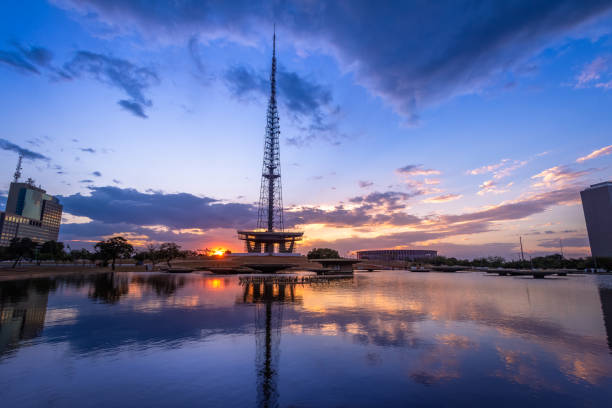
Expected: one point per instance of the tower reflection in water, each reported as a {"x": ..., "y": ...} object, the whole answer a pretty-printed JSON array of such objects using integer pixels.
[{"x": 268, "y": 295}]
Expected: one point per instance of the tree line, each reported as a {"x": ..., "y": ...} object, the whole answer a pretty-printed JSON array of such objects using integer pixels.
[
  {"x": 554, "y": 261},
  {"x": 105, "y": 252}
]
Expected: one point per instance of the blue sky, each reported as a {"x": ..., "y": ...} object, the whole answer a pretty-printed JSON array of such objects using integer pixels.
[{"x": 454, "y": 126}]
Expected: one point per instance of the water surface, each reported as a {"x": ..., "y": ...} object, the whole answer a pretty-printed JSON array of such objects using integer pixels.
[{"x": 378, "y": 339}]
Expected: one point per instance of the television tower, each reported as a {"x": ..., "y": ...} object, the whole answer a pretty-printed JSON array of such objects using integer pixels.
[
  {"x": 270, "y": 214},
  {"x": 270, "y": 235},
  {"x": 17, "y": 174}
]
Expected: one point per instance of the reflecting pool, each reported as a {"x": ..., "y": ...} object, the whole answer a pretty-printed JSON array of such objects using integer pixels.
[{"x": 390, "y": 338}]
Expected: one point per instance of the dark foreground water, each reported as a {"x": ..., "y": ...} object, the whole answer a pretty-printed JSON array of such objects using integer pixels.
[{"x": 379, "y": 339}]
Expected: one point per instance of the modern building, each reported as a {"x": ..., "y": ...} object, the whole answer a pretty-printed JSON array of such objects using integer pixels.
[
  {"x": 397, "y": 255},
  {"x": 270, "y": 235},
  {"x": 30, "y": 213},
  {"x": 597, "y": 207}
]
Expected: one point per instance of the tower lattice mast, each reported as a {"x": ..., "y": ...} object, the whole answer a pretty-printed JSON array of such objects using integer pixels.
[
  {"x": 270, "y": 214},
  {"x": 17, "y": 174}
]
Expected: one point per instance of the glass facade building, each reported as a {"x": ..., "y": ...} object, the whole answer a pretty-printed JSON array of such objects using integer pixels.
[
  {"x": 30, "y": 213},
  {"x": 597, "y": 206}
]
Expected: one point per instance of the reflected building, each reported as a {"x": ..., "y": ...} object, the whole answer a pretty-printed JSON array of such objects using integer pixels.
[
  {"x": 605, "y": 295},
  {"x": 23, "y": 307}
]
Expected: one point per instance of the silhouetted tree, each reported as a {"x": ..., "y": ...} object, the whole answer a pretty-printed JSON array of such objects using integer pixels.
[
  {"x": 113, "y": 248},
  {"x": 323, "y": 253},
  {"x": 21, "y": 248},
  {"x": 52, "y": 250},
  {"x": 169, "y": 251}
]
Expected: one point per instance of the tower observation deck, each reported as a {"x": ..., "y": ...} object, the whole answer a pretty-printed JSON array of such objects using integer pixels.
[{"x": 270, "y": 235}]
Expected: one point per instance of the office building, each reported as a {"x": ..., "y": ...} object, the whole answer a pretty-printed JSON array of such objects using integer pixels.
[
  {"x": 30, "y": 213},
  {"x": 597, "y": 207}
]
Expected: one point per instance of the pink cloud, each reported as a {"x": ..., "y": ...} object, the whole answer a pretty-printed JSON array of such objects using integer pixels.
[
  {"x": 443, "y": 198},
  {"x": 604, "y": 151}
]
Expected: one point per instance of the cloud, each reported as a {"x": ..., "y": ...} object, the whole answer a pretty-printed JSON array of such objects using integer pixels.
[
  {"x": 86, "y": 181},
  {"x": 518, "y": 209},
  {"x": 491, "y": 186},
  {"x": 118, "y": 73},
  {"x": 365, "y": 184},
  {"x": 604, "y": 151},
  {"x": 114, "y": 205},
  {"x": 567, "y": 242},
  {"x": 310, "y": 104},
  {"x": 26, "y": 60},
  {"x": 443, "y": 198},
  {"x": 88, "y": 149},
  {"x": 416, "y": 170},
  {"x": 134, "y": 107},
  {"x": 184, "y": 217},
  {"x": 488, "y": 169},
  {"x": 558, "y": 176},
  {"x": 591, "y": 72},
  {"x": 27, "y": 154},
  {"x": 500, "y": 170},
  {"x": 474, "y": 45},
  {"x": 390, "y": 199}
]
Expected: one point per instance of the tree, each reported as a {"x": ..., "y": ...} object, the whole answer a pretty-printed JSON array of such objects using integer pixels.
[
  {"x": 21, "y": 248},
  {"x": 323, "y": 253},
  {"x": 113, "y": 248},
  {"x": 80, "y": 254},
  {"x": 153, "y": 254},
  {"x": 52, "y": 250},
  {"x": 169, "y": 251}
]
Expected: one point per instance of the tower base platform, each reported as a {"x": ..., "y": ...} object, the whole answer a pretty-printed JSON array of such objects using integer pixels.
[{"x": 270, "y": 241}]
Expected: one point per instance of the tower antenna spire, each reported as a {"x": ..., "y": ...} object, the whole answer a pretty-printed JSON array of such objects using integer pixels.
[
  {"x": 17, "y": 174},
  {"x": 270, "y": 215}
]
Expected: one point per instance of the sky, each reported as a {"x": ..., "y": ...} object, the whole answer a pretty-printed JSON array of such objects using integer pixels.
[{"x": 458, "y": 126}]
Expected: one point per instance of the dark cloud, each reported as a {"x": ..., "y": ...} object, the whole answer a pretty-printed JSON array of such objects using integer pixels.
[
  {"x": 27, "y": 154},
  {"x": 390, "y": 199},
  {"x": 118, "y": 73},
  {"x": 365, "y": 184},
  {"x": 134, "y": 107},
  {"x": 567, "y": 242},
  {"x": 338, "y": 217},
  {"x": 97, "y": 174},
  {"x": 518, "y": 209},
  {"x": 416, "y": 170},
  {"x": 114, "y": 205},
  {"x": 26, "y": 60},
  {"x": 412, "y": 54},
  {"x": 128, "y": 211},
  {"x": 88, "y": 149},
  {"x": 32, "y": 60},
  {"x": 310, "y": 104},
  {"x": 86, "y": 181}
]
